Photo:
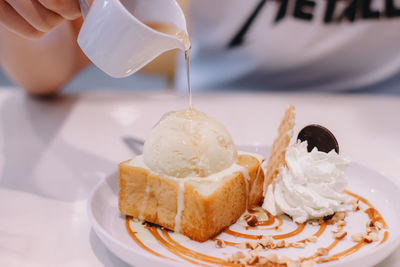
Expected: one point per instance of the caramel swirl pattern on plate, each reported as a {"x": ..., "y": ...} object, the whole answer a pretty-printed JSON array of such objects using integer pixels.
[{"x": 186, "y": 254}]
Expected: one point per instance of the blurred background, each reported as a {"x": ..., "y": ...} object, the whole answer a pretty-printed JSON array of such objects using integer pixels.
[
  {"x": 3, "y": 80},
  {"x": 94, "y": 79},
  {"x": 270, "y": 59}
]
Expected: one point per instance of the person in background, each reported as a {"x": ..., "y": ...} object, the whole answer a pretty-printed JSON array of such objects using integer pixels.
[{"x": 269, "y": 44}]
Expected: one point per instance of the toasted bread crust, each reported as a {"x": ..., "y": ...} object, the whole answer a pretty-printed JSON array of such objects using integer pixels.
[{"x": 203, "y": 216}]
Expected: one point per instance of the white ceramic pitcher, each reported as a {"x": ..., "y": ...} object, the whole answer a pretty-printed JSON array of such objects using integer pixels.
[{"x": 114, "y": 37}]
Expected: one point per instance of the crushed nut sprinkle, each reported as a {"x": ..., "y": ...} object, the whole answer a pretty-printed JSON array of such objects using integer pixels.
[
  {"x": 357, "y": 237},
  {"x": 281, "y": 244},
  {"x": 341, "y": 223},
  {"x": 312, "y": 239},
  {"x": 322, "y": 251},
  {"x": 372, "y": 229},
  {"x": 339, "y": 216},
  {"x": 259, "y": 213},
  {"x": 315, "y": 223},
  {"x": 251, "y": 220},
  {"x": 309, "y": 263},
  {"x": 298, "y": 244},
  {"x": 269, "y": 260},
  {"x": 267, "y": 242},
  {"x": 356, "y": 204},
  {"x": 235, "y": 258},
  {"x": 340, "y": 234},
  {"x": 252, "y": 244},
  {"x": 371, "y": 237},
  {"x": 379, "y": 225},
  {"x": 253, "y": 260},
  {"x": 366, "y": 237},
  {"x": 220, "y": 244},
  {"x": 370, "y": 223}
]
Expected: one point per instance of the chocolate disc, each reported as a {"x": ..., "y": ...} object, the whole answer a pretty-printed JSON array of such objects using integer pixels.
[{"x": 319, "y": 137}]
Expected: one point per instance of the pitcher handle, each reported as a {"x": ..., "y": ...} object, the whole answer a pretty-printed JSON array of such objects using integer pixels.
[{"x": 84, "y": 8}]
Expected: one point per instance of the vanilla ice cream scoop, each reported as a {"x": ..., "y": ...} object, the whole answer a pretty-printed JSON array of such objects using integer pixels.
[{"x": 188, "y": 143}]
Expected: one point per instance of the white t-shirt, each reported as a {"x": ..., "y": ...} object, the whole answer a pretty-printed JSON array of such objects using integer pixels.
[{"x": 292, "y": 44}]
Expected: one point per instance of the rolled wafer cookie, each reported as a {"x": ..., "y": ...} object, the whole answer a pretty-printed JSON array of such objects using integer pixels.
[{"x": 281, "y": 142}]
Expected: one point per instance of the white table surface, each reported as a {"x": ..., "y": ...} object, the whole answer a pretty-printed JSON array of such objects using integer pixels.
[{"x": 52, "y": 153}]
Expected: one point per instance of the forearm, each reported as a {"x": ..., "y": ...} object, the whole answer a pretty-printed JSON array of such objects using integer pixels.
[{"x": 42, "y": 66}]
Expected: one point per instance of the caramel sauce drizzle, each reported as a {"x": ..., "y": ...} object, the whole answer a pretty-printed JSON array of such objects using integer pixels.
[
  {"x": 343, "y": 254},
  {"x": 372, "y": 212},
  {"x": 194, "y": 254},
  {"x": 276, "y": 227},
  {"x": 316, "y": 255},
  {"x": 271, "y": 220},
  {"x": 375, "y": 216},
  {"x": 333, "y": 244},
  {"x": 385, "y": 237},
  {"x": 140, "y": 243},
  {"x": 228, "y": 243},
  {"x": 330, "y": 247},
  {"x": 317, "y": 234},
  {"x": 298, "y": 230},
  {"x": 168, "y": 246},
  {"x": 321, "y": 229},
  {"x": 198, "y": 258}
]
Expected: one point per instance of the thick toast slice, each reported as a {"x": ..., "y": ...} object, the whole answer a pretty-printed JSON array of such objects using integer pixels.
[{"x": 208, "y": 205}]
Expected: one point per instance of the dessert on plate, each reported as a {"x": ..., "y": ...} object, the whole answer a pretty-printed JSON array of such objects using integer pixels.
[{"x": 190, "y": 178}]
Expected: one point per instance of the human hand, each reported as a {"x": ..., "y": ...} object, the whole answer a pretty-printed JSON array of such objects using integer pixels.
[{"x": 33, "y": 18}]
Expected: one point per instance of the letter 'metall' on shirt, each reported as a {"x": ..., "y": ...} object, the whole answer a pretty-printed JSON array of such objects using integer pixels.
[{"x": 294, "y": 44}]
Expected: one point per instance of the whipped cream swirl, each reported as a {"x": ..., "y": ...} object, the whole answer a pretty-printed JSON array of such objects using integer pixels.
[{"x": 311, "y": 186}]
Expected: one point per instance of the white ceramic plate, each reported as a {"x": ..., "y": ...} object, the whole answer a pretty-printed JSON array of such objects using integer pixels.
[{"x": 382, "y": 192}]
